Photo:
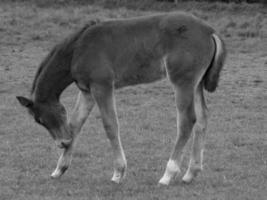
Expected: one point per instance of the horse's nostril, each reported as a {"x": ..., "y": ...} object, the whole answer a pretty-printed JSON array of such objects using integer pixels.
[
  {"x": 65, "y": 145},
  {"x": 59, "y": 145}
]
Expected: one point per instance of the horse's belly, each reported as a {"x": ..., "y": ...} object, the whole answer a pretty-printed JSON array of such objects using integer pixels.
[{"x": 142, "y": 73}]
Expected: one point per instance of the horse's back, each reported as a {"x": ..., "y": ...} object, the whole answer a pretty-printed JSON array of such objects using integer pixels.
[{"x": 130, "y": 51}]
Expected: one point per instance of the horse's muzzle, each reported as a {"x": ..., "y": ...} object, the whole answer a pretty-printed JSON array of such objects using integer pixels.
[{"x": 63, "y": 144}]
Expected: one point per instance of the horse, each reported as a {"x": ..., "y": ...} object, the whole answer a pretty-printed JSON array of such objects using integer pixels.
[{"x": 107, "y": 55}]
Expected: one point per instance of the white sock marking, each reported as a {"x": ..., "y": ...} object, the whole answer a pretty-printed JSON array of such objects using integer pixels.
[{"x": 172, "y": 169}]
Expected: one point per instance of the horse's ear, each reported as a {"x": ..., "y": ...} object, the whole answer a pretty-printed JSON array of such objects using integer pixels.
[{"x": 25, "y": 102}]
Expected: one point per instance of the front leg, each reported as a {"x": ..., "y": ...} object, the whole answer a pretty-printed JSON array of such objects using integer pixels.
[
  {"x": 63, "y": 162},
  {"x": 82, "y": 109},
  {"x": 105, "y": 99}
]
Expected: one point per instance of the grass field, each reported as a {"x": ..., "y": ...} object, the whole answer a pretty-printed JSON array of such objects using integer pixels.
[{"x": 235, "y": 166}]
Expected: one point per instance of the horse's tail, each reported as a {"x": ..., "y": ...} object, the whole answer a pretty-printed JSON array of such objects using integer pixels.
[{"x": 211, "y": 77}]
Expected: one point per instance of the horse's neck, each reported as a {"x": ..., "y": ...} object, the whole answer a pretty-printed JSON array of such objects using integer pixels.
[{"x": 54, "y": 78}]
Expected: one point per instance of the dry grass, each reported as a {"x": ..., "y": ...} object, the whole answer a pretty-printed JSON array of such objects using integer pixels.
[{"x": 236, "y": 156}]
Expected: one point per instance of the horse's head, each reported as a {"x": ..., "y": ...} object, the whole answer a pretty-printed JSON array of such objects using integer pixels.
[{"x": 53, "y": 117}]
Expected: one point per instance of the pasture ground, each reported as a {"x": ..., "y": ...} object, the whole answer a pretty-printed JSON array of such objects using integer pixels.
[{"x": 236, "y": 150}]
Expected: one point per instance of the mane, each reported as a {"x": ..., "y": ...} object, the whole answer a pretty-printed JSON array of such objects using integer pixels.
[{"x": 66, "y": 46}]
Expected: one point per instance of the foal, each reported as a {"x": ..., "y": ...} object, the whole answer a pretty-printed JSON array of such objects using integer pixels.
[{"x": 113, "y": 54}]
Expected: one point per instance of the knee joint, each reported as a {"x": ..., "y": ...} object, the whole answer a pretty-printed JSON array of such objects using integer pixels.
[{"x": 111, "y": 131}]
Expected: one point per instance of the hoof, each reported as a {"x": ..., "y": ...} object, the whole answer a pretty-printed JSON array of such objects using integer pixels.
[
  {"x": 172, "y": 171},
  {"x": 118, "y": 175},
  {"x": 116, "y": 178},
  {"x": 160, "y": 185},
  {"x": 59, "y": 172},
  {"x": 190, "y": 175},
  {"x": 164, "y": 181}
]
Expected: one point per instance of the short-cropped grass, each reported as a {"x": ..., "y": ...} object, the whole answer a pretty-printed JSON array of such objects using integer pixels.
[{"x": 235, "y": 162}]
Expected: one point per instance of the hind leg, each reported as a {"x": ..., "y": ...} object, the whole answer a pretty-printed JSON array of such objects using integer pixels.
[
  {"x": 185, "y": 122},
  {"x": 82, "y": 109},
  {"x": 196, "y": 157},
  {"x": 104, "y": 97}
]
